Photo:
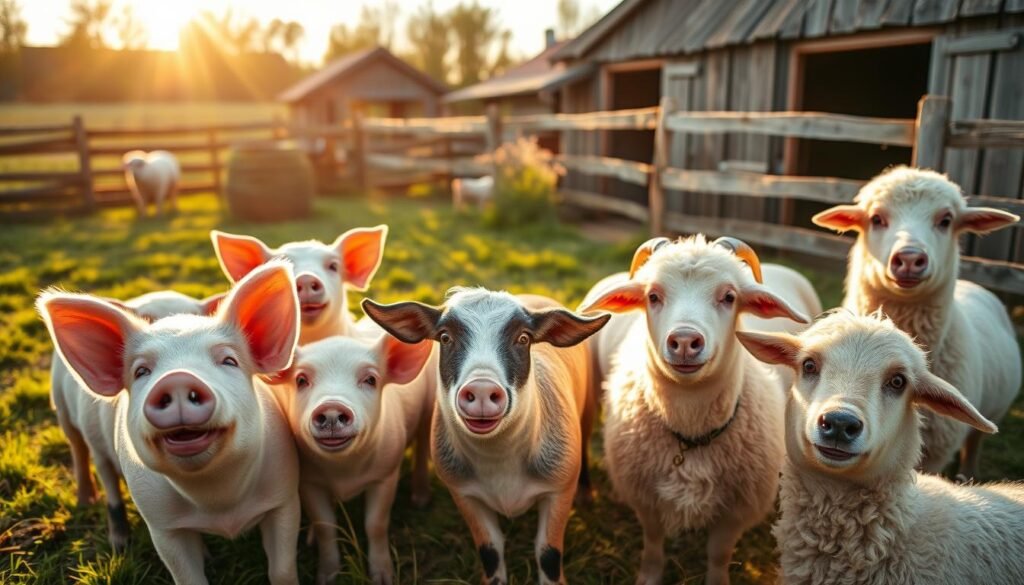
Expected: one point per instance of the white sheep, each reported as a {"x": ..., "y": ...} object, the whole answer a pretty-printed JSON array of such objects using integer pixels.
[
  {"x": 906, "y": 262},
  {"x": 693, "y": 423},
  {"x": 853, "y": 511},
  {"x": 152, "y": 177},
  {"x": 480, "y": 189}
]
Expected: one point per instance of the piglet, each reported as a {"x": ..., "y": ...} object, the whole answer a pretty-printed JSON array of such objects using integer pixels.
[
  {"x": 152, "y": 177},
  {"x": 353, "y": 412},
  {"x": 88, "y": 423},
  {"x": 203, "y": 446}
]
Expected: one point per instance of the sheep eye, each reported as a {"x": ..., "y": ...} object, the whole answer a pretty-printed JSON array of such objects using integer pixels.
[
  {"x": 810, "y": 367},
  {"x": 142, "y": 371},
  {"x": 653, "y": 298},
  {"x": 370, "y": 381},
  {"x": 333, "y": 266},
  {"x": 729, "y": 298},
  {"x": 897, "y": 382},
  {"x": 946, "y": 221},
  {"x": 877, "y": 221},
  {"x": 229, "y": 361},
  {"x": 301, "y": 381},
  {"x": 445, "y": 339},
  {"x": 524, "y": 339}
]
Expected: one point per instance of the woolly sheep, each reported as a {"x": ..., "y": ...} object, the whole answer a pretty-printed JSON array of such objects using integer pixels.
[
  {"x": 680, "y": 372},
  {"x": 853, "y": 511},
  {"x": 906, "y": 261},
  {"x": 152, "y": 177}
]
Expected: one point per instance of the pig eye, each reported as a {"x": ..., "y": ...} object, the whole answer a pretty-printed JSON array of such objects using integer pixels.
[
  {"x": 897, "y": 383},
  {"x": 142, "y": 371},
  {"x": 302, "y": 381},
  {"x": 370, "y": 381},
  {"x": 810, "y": 367},
  {"x": 444, "y": 338},
  {"x": 229, "y": 361},
  {"x": 729, "y": 297},
  {"x": 946, "y": 221},
  {"x": 877, "y": 221},
  {"x": 333, "y": 266},
  {"x": 524, "y": 339},
  {"x": 653, "y": 298}
]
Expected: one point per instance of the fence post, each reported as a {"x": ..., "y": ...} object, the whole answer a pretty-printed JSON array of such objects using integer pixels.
[
  {"x": 930, "y": 130},
  {"x": 492, "y": 135},
  {"x": 84, "y": 162},
  {"x": 211, "y": 139},
  {"x": 655, "y": 192},
  {"x": 360, "y": 166}
]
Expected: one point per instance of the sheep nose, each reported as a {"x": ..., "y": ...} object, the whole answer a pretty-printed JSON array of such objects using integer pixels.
[
  {"x": 179, "y": 399},
  {"x": 310, "y": 288},
  {"x": 909, "y": 262},
  {"x": 839, "y": 425},
  {"x": 685, "y": 342},
  {"x": 482, "y": 399},
  {"x": 332, "y": 413}
]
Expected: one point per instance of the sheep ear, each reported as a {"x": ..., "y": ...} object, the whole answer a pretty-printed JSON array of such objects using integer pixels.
[
  {"x": 617, "y": 299},
  {"x": 760, "y": 301},
  {"x": 409, "y": 321},
  {"x": 238, "y": 255},
  {"x": 771, "y": 348},
  {"x": 940, "y": 396},
  {"x": 982, "y": 220},
  {"x": 841, "y": 218}
]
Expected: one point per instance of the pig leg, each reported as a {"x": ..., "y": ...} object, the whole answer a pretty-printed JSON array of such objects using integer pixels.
[
  {"x": 172, "y": 198},
  {"x": 86, "y": 486},
  {"x": 379, "y": 498},
  {"x": 652, "y": 561},
  {"x": 117, "y": 518},
  {"x": 487, "y": 536},
  {"x": 552, "y": 517},
  {"x": 584, "y": 490},
  {"x": 182, "y": 554},
  {"x": 280, "y": 532},
  {"x": 319, "y": 506},
  {"x": 722, "y": 539},
  {"x": 421, "y": 458}
]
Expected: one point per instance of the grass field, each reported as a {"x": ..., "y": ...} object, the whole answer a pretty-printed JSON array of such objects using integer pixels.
[{"x": 44, "y": 538}]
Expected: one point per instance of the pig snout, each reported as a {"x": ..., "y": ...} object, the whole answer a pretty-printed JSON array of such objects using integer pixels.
[
  {"x": 310, "y": 289},
  {"x": 482, "y": 399},
  {"x": 332, "y": 414},
  {"x": 179, "y": 399}
]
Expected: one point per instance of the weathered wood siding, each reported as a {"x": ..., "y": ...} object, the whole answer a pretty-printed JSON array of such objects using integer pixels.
[{"x": 581, "y": 97}]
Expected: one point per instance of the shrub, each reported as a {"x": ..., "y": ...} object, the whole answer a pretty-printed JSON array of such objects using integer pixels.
[{"x": 525, "y": 187}]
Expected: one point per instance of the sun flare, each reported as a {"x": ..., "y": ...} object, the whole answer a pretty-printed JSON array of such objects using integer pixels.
[{"x": 163, "y": 21}]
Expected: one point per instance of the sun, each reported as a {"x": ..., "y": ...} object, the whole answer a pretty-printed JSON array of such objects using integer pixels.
[{"x": 164, "y": 20}]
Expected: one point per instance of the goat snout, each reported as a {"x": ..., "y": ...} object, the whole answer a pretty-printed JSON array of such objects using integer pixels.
[
  {"x": 482, "y": 404},
  {"x": 685, "y": 343},
  {"x": 841, "y": 426},
  {"x": 179, "y": 399},
  {"x": 908, "y": 265},
  {"x": 332, "y": 415}
]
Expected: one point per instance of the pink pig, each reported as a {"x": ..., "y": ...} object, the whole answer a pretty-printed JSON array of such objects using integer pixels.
[{"x": 203, "y": 445}]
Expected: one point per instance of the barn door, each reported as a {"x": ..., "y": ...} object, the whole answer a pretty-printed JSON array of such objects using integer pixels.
[{"x": 983, "y": 73}]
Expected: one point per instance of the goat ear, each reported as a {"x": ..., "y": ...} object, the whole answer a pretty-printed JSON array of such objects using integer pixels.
[
  {"x": 771, "y": 348},
  {"x": 238, "y": 255},
  {"x": 841, "y": 218},
  {"x": 758, "y": 300},
  {"x": 936, "y": 394},
  {"x": 619, "y": 298},
  {"x": 562, "y": 328},
  {"x": 982, "y": 220},
  {"x": 361, "y": 250},
  {"x": 401, "y": 362},
  {"x": 409, "y": 321}
]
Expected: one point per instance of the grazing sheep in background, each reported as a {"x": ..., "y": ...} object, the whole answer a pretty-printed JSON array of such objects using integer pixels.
[
  {"x": 480, "y": 190},
  {"x": 152, "y": 178},
  {"x": 88, "y": 422},
  {"x": 693, "y": 423},
  {"x": 906, "y": 262},
  {"x": 853, "y": 511}
]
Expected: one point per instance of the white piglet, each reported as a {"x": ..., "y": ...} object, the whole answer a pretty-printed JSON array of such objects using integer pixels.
[
  {"x": 152, "y": 178},
  {"x": 203, "y": 445},
  {"x": 88, "y": 421},
  {"x": 353, "y": 413}
]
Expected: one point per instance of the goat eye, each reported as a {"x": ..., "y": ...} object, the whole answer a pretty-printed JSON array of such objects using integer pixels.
[
  {"x": 946, "y": 221},
  {"x": 877, "y": 221},
  {"x": 370, "y": 381},
  {"x": 444, "y": 338},
  {"x": 229, "y": 361},
  {"x": 729, "y": 297},
  {"x": 301, "y": 381},
  {"x": 898, "y": 382},
  {"x": 810, "y": 367},
  {"x": 333, "y": 266},
  {"x": 653, "y": 298},
  {"x": 524, "y": 339},
  {"x": 142, "y": 371}
]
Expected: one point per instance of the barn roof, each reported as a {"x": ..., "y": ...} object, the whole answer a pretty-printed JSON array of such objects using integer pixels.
[
  {"x": 348, "y": 64},
  {"x": 637, "y": 29},
  {"x": 537, "y": 75}
]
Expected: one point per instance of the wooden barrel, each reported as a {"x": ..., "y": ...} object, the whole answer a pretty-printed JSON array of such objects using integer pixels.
[{"x": 269, "y": 183}]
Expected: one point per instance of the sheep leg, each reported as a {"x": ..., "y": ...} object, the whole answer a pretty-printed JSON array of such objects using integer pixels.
[
  {"x": 118, "y": 529},
  {"x": 552, "y": 517},
  {"x": 722, "y": 540},
  {"x": 970, "y": 454},
  {"x": 652, "y": 560},
  {"x": 490, "y": 542}
]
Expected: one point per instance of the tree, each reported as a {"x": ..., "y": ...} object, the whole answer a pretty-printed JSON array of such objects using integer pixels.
[
  {"x": 572, "y": 20},
  {"x": 376, "y": 27},
  {"x": 130, "y": 31},
  {"x": 12, "y": 26},
  {"x": 475, "y": 28},
  {"x": 504, "y": 60},
  {"x": 428, "y": 35},
  {"x": 282, "y": 36},
  {"x": 291, "y": 34},
  {"x": 88, "y": 21}
]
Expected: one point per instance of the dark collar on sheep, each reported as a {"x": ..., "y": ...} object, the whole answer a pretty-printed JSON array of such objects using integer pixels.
[{"x": 687, "y": 443}]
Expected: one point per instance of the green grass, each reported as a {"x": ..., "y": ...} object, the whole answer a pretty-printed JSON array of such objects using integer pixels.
[{"x": 44, "y": 538}]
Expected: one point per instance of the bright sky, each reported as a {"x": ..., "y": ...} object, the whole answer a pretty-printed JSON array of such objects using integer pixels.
[{"x": 527, "y": 19}]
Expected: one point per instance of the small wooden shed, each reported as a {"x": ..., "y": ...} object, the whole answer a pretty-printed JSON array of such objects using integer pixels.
[
  {"x": 374, "y": 82},
  {"x": 860, "y": 57}
]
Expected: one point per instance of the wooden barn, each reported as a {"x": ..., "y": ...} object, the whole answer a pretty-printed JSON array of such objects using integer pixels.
[
  {"x": 373, "y": 82},
  {"x": 861, "y": 57}
]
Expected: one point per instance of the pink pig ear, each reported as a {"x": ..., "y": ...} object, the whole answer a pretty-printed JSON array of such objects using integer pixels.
[
  {"x": 402, "y": 361},
  {"x": 361, "y": 250},
  {"x": 209, "y": 305},
  {"x": 238, "y": 255},
  {"x": 89, "y": 335},
  {"x": 264, "y": 307}
]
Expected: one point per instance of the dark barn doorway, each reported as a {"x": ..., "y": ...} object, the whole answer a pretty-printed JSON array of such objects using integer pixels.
[
  {"x": 884, "y": 82},
  {"x": 639, "y": 88}
]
